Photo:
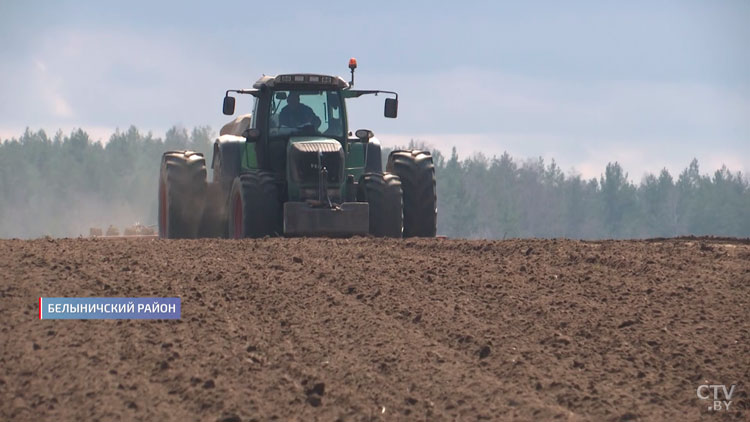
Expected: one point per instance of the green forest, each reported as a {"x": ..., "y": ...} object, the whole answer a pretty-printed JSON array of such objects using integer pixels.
[{"x": 63, "y": 184}]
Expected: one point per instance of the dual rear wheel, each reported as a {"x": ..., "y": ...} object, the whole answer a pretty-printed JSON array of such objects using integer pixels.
[
  {"x": 189, "y": 207},
  {"x": 182, "y": 194},
  {"x": 403, "y": 200},
  {"x": 416, "y": 171}
]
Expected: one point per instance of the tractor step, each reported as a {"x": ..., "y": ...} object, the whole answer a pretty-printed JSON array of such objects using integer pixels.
[{"x": 348, "y": 219}]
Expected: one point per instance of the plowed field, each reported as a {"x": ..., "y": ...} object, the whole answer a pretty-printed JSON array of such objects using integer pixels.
[{"x": 366, "y": 329}]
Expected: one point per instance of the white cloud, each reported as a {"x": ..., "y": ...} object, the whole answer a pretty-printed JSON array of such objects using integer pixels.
[
  {"x": 114, "y": 77},
  {"x": 61, "y": 107},
  {"x": 476, "y": 100},
  {"x": 100, "y": 78},
  {"x": 47, "y": 86},
  {"x": 40, "y": 66},
  {"x": 643, "y": 125}
]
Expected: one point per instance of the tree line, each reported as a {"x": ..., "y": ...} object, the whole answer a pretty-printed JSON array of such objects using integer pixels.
[{"x": 63, "y": 184}]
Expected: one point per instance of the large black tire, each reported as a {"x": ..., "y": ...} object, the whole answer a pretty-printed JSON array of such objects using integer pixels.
[
  {"x": 383, "y": 194},
  {"x": 182, "y": 193},
  {"x": 417, "y": 173},
  {"x": 254, "y": 207}
]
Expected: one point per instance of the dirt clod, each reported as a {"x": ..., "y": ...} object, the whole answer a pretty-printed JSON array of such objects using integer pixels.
[
  {"x": 314, "y": 401},
  {"x": 484, "y": 352},
  {"x": 319, "y": 389}
]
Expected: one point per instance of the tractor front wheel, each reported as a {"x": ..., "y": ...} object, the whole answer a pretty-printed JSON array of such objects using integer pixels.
[
  {"x": 254, "y": 208},
  {"x": 383, "y": 194}
]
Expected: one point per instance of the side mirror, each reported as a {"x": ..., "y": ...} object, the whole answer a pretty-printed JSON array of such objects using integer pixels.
[
  {"x": 364, "y": 135},
  {"x": 251, "y": 134},
  {"x": 228, "y": 107},
  {"x": 391, "y": 108}
]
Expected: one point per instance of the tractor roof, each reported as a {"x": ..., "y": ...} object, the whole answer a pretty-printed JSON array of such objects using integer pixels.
[{"x": 301, "y": 81}]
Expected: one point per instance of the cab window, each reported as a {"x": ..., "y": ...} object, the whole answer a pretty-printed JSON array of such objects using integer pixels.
[{"x": 306, "y": 113}]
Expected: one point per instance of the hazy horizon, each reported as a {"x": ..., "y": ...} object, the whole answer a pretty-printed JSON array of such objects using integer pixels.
[{"x": 650, "y": 85}]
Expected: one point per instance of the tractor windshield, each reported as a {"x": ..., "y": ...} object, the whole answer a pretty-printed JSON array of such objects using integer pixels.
[{"x": 306, "y": 113}]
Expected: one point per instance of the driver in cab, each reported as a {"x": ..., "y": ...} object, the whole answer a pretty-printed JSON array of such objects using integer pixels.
[{"x": 295, "y": 114}]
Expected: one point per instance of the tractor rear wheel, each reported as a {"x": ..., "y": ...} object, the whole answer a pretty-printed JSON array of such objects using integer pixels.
[
  {"x": 182, "y": 193},
  {"x": 417, "y": 173},
  {"x": 254, "y": 207},
  {"x": 383, "y": 194}
]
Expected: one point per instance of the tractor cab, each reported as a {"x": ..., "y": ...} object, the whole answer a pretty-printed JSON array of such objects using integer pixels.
[
  {"x": 294, "y": 113},
  {"x": 301, "y": 128}
]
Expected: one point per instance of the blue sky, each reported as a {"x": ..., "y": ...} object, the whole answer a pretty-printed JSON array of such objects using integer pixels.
[{"x": 650, "y": 84}]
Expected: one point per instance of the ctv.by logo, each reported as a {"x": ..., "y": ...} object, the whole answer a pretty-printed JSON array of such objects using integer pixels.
[{"x": 703, "y": 394}]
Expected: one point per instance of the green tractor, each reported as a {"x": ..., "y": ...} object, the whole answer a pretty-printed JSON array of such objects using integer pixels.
[{"x": 292, "y": 168}]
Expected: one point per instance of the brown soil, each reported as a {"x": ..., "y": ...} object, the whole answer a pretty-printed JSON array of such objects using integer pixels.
[{"x": 366, "y": 329}]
